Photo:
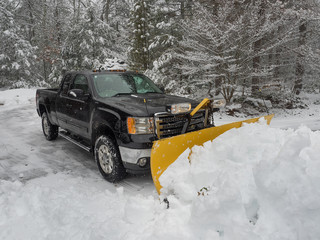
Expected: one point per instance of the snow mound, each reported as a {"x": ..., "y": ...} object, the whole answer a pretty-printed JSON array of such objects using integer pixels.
[
  {"x": 254, "y": 182},
  {"x": 16, "y": 97}
]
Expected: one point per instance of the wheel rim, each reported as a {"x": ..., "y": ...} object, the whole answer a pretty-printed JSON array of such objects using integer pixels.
[
  {"x": 105, "y": 159},
  {"x": 45, "y": 126}
]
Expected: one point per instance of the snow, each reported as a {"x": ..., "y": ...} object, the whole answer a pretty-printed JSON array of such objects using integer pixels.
[
  {"x": 112, "y": 64},
  {"x": 16, "y": 97},
  {"x": 256, "y": 182},
  {"x": 284, "y": 118},
  {"x": 259, "y": 102}
]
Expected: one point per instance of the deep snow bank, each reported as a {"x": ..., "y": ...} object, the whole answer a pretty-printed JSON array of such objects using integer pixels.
[
  {"x": 255, "y": 182},
  {"x": 250, "y": 183}
]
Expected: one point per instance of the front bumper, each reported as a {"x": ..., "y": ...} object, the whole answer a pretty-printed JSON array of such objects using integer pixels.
[{"x": 130, "y": 158}]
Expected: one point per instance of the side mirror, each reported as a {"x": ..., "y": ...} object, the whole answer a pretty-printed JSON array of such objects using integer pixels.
[
  {"x": 76, "y": 93},
  {"x": 79, "y": 94}
]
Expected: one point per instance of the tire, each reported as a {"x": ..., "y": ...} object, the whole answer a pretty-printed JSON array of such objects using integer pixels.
[
  {"x": 50, "y": 131},
  {"x": 107, "y": 156}
]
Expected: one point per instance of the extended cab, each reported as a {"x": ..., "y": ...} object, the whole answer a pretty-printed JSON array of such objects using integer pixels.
[{"x": 116, "y": 115}]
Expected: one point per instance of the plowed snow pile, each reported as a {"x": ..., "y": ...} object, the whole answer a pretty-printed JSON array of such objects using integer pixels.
[{"x": 254, "y": 182}]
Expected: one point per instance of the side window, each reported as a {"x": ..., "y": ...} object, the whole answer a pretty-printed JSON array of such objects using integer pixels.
[
  {"x": 66, "y": 84},
  {"x": 80, "y": 82}
]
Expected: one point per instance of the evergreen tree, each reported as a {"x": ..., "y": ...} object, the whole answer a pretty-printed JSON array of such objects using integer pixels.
[
  {"x": 166, "y": 30},
  {"x": 165, "y": 34},
  {"x": 235, "y": 47},
  {"x": 17, "y": 56},
  {"x": 91, "y": 42}
]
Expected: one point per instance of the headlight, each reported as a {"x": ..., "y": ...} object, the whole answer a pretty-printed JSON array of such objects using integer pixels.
[
  {"x": 140, "y": 125},
  {"x": 180, "y": 108}
]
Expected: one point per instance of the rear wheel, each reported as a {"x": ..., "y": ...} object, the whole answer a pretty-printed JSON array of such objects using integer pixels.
[
  {"x": 108, "y": 158},
  {"x": 50, "y": 131}
]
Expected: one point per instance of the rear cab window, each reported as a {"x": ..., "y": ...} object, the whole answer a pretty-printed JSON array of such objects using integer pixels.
[{"x": 66, "y": 84}]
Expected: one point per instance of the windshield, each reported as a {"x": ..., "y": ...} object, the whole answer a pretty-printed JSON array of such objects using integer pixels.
[{"x": 109, "y": 85}]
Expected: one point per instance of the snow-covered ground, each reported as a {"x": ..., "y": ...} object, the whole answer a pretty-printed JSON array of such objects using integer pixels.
[
  {"x": 256, "y": 182},
  {"x": 287, "y": 118}
]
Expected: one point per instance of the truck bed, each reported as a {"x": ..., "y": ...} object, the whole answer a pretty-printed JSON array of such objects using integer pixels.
[{"x": 48, "y": 97}]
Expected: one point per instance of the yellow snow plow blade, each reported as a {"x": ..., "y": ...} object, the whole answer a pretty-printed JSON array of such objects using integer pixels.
[{"x": 165, "y": 151}]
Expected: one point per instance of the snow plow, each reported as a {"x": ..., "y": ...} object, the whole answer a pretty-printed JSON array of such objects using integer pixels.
[{"x": 165, "y": 151}]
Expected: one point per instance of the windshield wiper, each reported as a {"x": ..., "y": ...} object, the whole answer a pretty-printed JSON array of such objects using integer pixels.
[
  {"x": 120, "y": 94},
  {"x": 151, "y": 92}
]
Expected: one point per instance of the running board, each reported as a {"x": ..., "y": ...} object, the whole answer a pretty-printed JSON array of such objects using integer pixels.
[{"x": 79, "y": 143}]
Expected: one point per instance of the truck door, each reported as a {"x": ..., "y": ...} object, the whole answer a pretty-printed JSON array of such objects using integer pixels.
[
  {"x": 62, "y": 102},
  {"x": 79, "y": 107}
]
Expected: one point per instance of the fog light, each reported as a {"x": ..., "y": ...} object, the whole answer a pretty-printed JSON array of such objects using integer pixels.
[{"x": 142, "y": 162}]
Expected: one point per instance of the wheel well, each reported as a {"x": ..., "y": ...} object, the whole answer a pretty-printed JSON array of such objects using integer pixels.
[
  {"x": 102, "y": 130},
  {"x": 42, "y": 109}
]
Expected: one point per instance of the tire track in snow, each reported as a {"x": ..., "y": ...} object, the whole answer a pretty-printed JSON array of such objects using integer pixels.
[{"x": 26, "y": 155}]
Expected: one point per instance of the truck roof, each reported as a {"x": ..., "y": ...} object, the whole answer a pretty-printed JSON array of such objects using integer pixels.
[{"x": 88, "y": 72}]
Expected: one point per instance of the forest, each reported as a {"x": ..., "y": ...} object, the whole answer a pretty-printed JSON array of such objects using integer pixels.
[{"x": 234, "y": 49}]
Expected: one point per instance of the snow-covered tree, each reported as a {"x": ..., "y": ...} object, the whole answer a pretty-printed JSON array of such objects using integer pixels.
[
  {"x": 90, "y": 42},
  {"x": 165, "y": 34},
  {"x": 210, "y": 46},
  {"x": 165, "y": 31},
  {"x": 17, "y": 56},
  {"x": 244, "y": 45}
]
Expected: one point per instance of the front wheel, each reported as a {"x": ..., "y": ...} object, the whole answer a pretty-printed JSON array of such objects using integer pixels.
[
  {"x": 50, "y": 131},
  {"x": 108, "y": 158}
]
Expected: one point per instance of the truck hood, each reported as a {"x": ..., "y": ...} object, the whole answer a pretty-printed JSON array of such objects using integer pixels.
[{"x": 145, "y": 104}]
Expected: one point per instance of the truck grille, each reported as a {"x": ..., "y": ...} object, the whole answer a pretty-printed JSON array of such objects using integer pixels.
[{"x": 168, "y": 125}]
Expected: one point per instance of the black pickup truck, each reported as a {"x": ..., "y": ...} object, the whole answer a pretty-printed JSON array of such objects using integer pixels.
[{"x": 116, "y": 115}]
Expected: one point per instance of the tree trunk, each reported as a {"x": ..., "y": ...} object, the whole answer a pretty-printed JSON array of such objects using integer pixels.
[
  {"x": 182, "y": 9},
  {"x": 256, "y": 61},
  {"x": 256, "y": 66},
  {"x": 58, "y": 23},
  {"x": 106, "y": 10},
  {"x": 32, "y": 22},
  {"x": 218, "y": 84},
  {"x": 299, "y": 62}
]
